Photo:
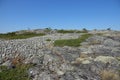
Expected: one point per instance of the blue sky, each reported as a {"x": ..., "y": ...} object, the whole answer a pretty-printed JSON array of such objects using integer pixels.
[{"x": 59, "y": 14}]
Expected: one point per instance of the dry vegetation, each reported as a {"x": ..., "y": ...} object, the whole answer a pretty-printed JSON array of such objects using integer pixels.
[{"x": 109, "y": 75}]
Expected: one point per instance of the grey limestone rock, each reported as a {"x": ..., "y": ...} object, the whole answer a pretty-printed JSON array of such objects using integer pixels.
[
  {"x": 55, "y": 63},
  {"x": 110, "y": 42}
]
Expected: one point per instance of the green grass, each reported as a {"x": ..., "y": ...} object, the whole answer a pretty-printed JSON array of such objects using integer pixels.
[
  {"x": 82, "y": 31},
  {"x": 25, "y": 35},
  {"x": 18, "y": 73},
  {"x": 99, "y": 34},
  {"x": 71, "y": 42},
  {"x": 71, "y": 31},
  {"x": 48, "y": 39}
]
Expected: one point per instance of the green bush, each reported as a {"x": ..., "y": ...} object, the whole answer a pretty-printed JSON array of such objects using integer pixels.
[
  {"x": 17, "y": 73},
  {"x": 71, "y": 42}
]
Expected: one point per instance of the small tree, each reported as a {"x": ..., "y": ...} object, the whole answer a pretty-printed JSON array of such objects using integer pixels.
[
  {"x": 85, "y": 30},
  {"x": 48, "y": 28},
  {"x": 108, "y": 29}
]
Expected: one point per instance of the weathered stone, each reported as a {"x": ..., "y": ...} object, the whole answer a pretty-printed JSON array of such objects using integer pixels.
[
  {"x": 110, "y": 42},
  {"x": 105, "y": 59},
  {"x": 64, "y": 63},
  {"x": 7, "y": 63}
]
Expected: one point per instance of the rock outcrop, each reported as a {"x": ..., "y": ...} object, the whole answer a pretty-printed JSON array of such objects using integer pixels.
[{"x": 97, "y": 53}]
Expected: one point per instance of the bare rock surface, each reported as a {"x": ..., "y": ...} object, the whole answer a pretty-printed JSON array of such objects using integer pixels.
[{"x": 97, "y": 53}]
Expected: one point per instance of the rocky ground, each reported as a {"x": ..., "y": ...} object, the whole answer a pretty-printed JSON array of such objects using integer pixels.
[{"x": 98, "y": 57}]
